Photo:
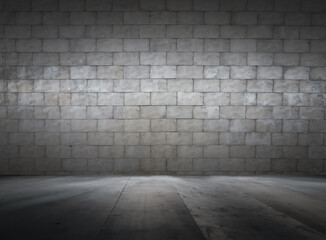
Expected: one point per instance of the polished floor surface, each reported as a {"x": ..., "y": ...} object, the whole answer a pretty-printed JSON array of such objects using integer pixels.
[{"x": 162, "y": 207}]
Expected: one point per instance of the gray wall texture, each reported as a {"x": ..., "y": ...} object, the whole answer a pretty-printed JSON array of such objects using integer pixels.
[{"x": 162, "y": 86}]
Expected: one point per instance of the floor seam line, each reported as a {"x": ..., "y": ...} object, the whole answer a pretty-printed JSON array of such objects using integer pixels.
[{"x": 110, "y": 213}]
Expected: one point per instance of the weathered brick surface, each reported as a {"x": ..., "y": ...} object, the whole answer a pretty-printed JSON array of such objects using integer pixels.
[{"x": 162, "y": 86}]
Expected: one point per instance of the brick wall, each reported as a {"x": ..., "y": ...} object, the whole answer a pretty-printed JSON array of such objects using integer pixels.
[{"x": 162, "y": 86}]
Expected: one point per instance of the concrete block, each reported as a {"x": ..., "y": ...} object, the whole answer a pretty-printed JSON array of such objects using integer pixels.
[
  {"x": 260, "y": 59},
  {"x": 190, "y": 98},
  {"x": 311, "y": 113},
  {"x": 98, "y": 86},
  {"x": 220, "y": 125},
  {"x": 56, "y": 18},
  {"x": 152, "y": 112},
  {"x": 189, "y": 125},
  {"x": 244, "y": 18},
  {"x": 110, "y": 72},
  {"x": 99, "y": 59},
  {"x": 163, "y": 125},
  {"x": 99, "y": 112},
  {"x": 152, "y": 31},
  {"x": 243, "y": 45},
  {"x": 163, "y": 72},
  {"x": 261, "y": 165},
  {"x": 254, "y": 138},
  {"x": 232, "y": 32},
  {"x": 137, "y": 98},
  {"x": 298, "y": 46},
  {"x": 109, "y": 45},
  {"x": 313, "y": 60},
  {"x": 179, "y": 58},
  {"x": 318, "y": 73},
  {"x": 268, "y": 125},
  {"x": 31, "y": 125},
  {"x": 179, "y": 31},
  {"x": 256, "y": 5},
  {"x": 242, "y": 125},
  {"x": 100, "y": 165},
  {"x": 180, "y": 85},
  {"x": 20, "y": 86},
  {"x": 179, "y": 112},
  {"x": 216, "y": 99},
  {"x": 74, "y": 5},
  {"x": 206, "y": 85},
  {"x": 191, "y": 45},
  {"x": 206, "y": 5},
  {"x": 269, "y": 72},
  {"x": 243, "y": 72},
  {"x": 82, "y": 72},
  {"x": 44, "y": 112},
  {"x": 126, "y": 85},
  {"x": 153, "y": 58},
  {"x": 259, "y": 31},
  {"x": 313, "y": 6},
  {"x": 206, "y": 58},
  {"x": 150, "y": 165},
  {"x": 47, "y": 139},
  {"x": 73, "y": 112},
  {"x": 83, "y": 45},
  {"x": 206, "y": 31},
  {"x": 163, "y": 151},
  {"x": 268, "y": 151},
  {"x": 124, "y": 5},
  {"x": 28, "y": 45},
  {"x": 138, "y": 125},
  {"x": 73, "y": 138},
  {"x": 269, "y": 99},
  {"x": 153, "y": 85},
  {"x": 153, "y": 138},
  {"x": 317, "y": 152},
  {"x": 205, "y": 138},
  {"x": 73, "y": 86},
  {"x": 232, "y": 112},
  {"x": 317, "y": 126},
  {"x": 83, "y": 125},
  {"x": 125, "y": 112},
  {"x": 205, "y": 165},
  {"x": 216, "y": 45},
  {"x": 183, "y": 5},
  {"x": 110, "y": 125},
  {"x": 190, "y": 151},
  {"x": 137, "y": 151},
  {"x": 222, "y": 18},
  {"x": 286, "y": 32},
  {"x": 190, "y": 18},
  {"x": 257, "y": 112},
  {"x": 179, "y": 138},
  {"x": 83, "y": 99},
  {"x": 242, "y": 152},
  {"x": 189, "y": 72},
  {"x": 56, "y": 72},
  {"x": 17, "y": 139},
  {"x": 280, "y": 112},
  {"x": 206, "y": 112},
  {"x": 136, "y": 18},
  {"x": 271, "y": 18},
  {"x": 286, "y": 59},
  {"x": 168, "y": 98},
  {"x": 126, "y": 138},
  {"x": 296, "y": 99},
  {"x": 220, "y": 72},
  {"x": 71, "y": 32},
  {"x": 183, "y": 165},
  {"x": 318, "y": 46},
  {"x": 260, "y": 86},
  {"x": 284, "y": 139},
  {"x": 296, "y": 73},
  {"x": 17, "y": 112},
  {"x": 30, "y": 98},
  {"x": 17, "y": 31},
  {"x": 150, "y": 5},
  {"x": 216, "y": 151},
  {"x": 233, "y": 165},
  {"x": 295, "y": 126},
  {"x": 84, "y": 151},
  {"x": 233, "y": 5},
  {"x": 312, "y": 32},
  {"x": 163, "y": 45},
  {"x": 123, "y": 165},
  {"x": 45, "y": 59},
  {"x": 32, "y": 152},
  {"x": 72, "y": 59},
  {"x": 287, "y": 5},
  {"x": 311, "y": 139}
]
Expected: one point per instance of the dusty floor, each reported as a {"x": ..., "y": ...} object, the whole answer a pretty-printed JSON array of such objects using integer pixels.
[{"x": 162, "y": 207}]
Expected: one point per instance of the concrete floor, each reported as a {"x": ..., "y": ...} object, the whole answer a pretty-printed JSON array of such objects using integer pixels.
[{"x": 162, "y": 207}]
